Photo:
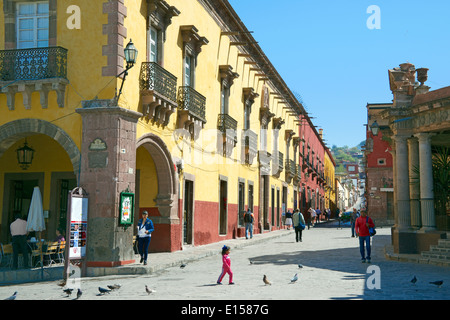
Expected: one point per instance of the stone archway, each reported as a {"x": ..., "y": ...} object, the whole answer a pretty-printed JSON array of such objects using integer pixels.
[
  {"x": 18, "y": 129},
  {"x": 166, "y": 199}
]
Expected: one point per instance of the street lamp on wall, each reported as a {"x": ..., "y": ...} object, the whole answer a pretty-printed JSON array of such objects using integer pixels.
[
  {"x": 25, "y": 156},
  {"x": 375, "y": 128},
  {"x": 130, "y": 53}
]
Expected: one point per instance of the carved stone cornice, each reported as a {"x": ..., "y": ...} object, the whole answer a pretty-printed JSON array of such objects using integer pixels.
[
  {"x": 227, "y": 75},
  {"x": 249, "y": 95},
  {"x": 26, "y": 88},
  {"x": 277, "y": 123},
  {"x": 192, "y": 41},
  {"x": 288, "y": 134}
]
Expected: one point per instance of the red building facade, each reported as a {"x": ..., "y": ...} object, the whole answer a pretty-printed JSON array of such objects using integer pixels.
[
  {"x": 311, "y": 160},
  {"x": 379, "y": 162}
]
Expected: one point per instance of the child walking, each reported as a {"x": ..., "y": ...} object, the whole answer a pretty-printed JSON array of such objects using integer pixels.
[{"x": 226, "y": 265}]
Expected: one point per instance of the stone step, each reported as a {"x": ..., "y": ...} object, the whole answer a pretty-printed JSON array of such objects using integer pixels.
[
  {"x": 439, "y": 250},
  {"x": 439, "y": 254},
  {"x": 445, "y": 243}
]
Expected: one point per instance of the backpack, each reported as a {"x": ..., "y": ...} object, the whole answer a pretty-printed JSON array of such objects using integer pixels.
[
  {"x": 372, "y": 231},
  {"x": 248, "y": 217}
]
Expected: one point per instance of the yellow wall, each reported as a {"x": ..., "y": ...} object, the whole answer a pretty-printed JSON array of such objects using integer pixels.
[
  {"x": 207, "y": 82},
  {"x": 329, "y": 178},
  {"x": 85, "y": 62}
]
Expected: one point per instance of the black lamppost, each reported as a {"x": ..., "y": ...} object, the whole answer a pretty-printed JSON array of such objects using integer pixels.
[
  {"x": 25, "y": 156},
  {"x": 375, "y": 128},
  {"x": 130, "y": 53}
]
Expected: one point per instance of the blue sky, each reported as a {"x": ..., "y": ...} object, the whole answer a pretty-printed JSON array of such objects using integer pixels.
[{"x": 324, "y": 50}]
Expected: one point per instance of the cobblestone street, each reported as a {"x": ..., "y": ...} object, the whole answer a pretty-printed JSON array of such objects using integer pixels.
[{"x": 331, "y": 270}]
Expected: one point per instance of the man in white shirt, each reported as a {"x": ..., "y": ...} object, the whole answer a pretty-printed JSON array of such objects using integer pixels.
[{"x": 19, "y": 240}]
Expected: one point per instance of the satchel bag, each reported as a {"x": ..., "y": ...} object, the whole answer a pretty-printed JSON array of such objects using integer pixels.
[{"x": 372, "y": 231}]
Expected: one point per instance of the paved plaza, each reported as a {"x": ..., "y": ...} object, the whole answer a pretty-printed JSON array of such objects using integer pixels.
[{"x": 330, "y": 270}]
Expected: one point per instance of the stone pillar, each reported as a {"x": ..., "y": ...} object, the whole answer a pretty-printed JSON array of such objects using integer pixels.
[
  {"x": 426, "y": 182},
  {"x": 394, "y": 179},
  {"x": 108, "y": 167},
  {"x": 414, "y": 185},
  {"x": 402, "y": 180}
]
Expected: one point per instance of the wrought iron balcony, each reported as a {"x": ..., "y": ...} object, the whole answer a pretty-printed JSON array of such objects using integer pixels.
[
  {"x": 30, "y": 70},
  {"x": 290, "y": 170},
  {"x": 158, "y": 89},
  {"x": 226, "y": 122},
  {"x": 192, "y": 101},
  {"x": 298, "y": 173},
  {"x": 153, "y": 77},
  {"x": 277, "y": 164},
  {"x": 250, "y": 145},
  {"x": 191, "y": 110},
  {"x": 33, "y": 64},
  {"x": 227, "y": 126}
]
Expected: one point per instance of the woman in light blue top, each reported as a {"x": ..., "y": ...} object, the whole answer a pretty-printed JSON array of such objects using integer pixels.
[{"x": 145, "y": 229}]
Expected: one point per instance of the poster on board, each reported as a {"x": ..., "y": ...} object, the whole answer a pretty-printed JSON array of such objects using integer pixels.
[{"x": 78, "y": 227}]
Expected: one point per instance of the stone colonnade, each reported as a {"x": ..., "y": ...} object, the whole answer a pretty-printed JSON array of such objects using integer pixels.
[{"x": 414, "y": 182}]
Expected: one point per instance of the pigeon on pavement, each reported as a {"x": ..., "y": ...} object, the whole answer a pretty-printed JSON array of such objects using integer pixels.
[
  {"x": 266, "y": 281},
  {"x": 103, "y": 290},
  {"x": 79, "y": 293},
  {"x": 183, "y": 265},
  {"x": 437, "y": 283},
  {"x": 68, "y": 291},
  {"x": 295, "y": 278},
  {"x": 148, "y": 290},
  {"x": 114, "y": 286},
  {"x": 13, "y": 297},
  {"x": 300, "y": 266},
  {"x": 414, "y": 280}
]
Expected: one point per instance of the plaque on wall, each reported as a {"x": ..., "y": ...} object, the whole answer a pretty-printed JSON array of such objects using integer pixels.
[
  {"x": 98, "y": 159},
  {"x": 97, "y": 145}
]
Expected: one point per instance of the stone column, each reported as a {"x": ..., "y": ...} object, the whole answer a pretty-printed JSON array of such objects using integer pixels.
[
  {"x": 402, "y": 180},
  {"x": 426, "y": 182},
  {"x": 414, "y": 185},
  {"x": 108, "y": 167}
]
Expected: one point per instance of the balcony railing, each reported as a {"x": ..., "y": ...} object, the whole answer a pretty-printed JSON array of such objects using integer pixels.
[
  {"x": 192, "y": 101},
  {"x": 33, "y": 64},
  {"x": 280, "y": 161},
  {"x": 226, "y": 122},
  {"x": 290, "y": 167},
  {"x": 153, "y": 77}
]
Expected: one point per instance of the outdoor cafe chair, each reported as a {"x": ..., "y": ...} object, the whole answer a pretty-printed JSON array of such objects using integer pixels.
[
  {"x": 61, "y": 251},
  {"x": 50, "y": 251}
]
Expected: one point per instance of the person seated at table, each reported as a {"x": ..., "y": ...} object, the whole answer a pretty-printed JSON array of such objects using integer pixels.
[{"x": 59, "y": 236}]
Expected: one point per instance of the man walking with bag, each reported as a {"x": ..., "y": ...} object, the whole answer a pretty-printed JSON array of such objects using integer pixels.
[
  {"x": 298, "y": 221},
  {"x": 248, "y": 220},
  {"x": 362, "y": 225}
]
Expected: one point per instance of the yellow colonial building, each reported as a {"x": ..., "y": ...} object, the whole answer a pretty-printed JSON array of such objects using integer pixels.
[
  {"x": 330, "y": 181},
  {"x": 198, "y": 128}
]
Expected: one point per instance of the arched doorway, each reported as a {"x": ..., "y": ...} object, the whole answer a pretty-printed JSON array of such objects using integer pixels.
[
  {"x": 157, "y": 192},
  {"x": 53, "y": 170}
]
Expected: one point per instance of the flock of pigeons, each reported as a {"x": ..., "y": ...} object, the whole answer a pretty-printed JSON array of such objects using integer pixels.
[
  {"x": 293, "y": 280},
  {"x": 113, "y": 287}
]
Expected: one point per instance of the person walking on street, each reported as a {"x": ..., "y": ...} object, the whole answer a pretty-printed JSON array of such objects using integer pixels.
[
  {"x": 318, "y": 214},
  {"x": 145, "y": 229},
  {"x": 298, "y": 222},
  {"x": 362, "y": 225},
  {"x": 226, "y": 265},
  {"x": 19, "y": 240},
  {"x": 248, "y": 220},
  {"x": 313, "y": 216},
  {"x": 288, "y": 221},
  {"x": 308, "y": 218},
  {"x": 353, "y": 216}
]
